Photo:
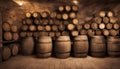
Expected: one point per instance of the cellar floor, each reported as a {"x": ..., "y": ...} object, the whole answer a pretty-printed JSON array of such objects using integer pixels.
[{"x": 31, "y": 62}]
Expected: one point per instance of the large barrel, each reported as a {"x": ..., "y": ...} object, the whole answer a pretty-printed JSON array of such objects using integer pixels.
[
  {"x": 80, "y": 46},
  {"x": 14, "y": 49},
  {"x": 44, "y": 47},
  {"x": 6, "y": 53},
  {"x": 62, "y": 47},
  {"x": 113, "y": 46},
  {"x": 98, "y": 46},
  {"x": 7, "y": 36},
  {"x": 27, "y": 46},
  {"x": 6, "y": 26}
]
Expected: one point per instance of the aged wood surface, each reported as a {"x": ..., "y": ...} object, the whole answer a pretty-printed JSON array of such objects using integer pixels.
[{"x": 31, "y": 62}]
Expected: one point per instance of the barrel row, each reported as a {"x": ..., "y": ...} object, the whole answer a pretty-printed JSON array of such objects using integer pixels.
[{"x": 62, "y": 46}]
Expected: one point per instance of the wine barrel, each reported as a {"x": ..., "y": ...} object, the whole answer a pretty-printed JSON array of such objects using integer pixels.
[
  {"x": 98, "y": 32},
  {"x": 54, "y": 28},
  {"x": 74, "y": 33},
  {"x": 44, "y": 47},
  {"x": 36, "y": 21},
  {"x": 70, "y": 27},
  {"x": 7, "y": 36},
  {"x": 6, "y": 26},
  {"x": 79, "y": 27},
  {"x": 57, "y": 34},
  {"x": 87, "y": 26},
  {"x": 110, "y": 14},
  {"x": 51, "y": 34},
  {"x": 113, "y": 19},
  {"x": 113, "y": 32},
  {"x": 23, "y": 34},
  {"x": 28, "y": 21},
  {"x": 24, "y": 27},
  {"x": 44, "y": 14},
  {"x": 36, "y": 15},
  {"x": 59, "y": 16},
  {"x": 27, "y": 46},
  {"x": 91, "y": 32},
  {"x": 14, "y": 28},
  {"x": 72, "y": 15},
  {"x": 14, "y": 49},
  {"x": 116, "y": 26},
  {"x": 102, "y": 13},
  {"x": 113, "y": 46},
  {"x": 65, "y": 33},
  {"x": 6, "y": 53},
  {"x": 109, "y": 26},
  {"x": 64, "y": 16},
  {"x": 80, "y": 46},
  {"x": 94, "y": 26},
  {"x": 83, "y": 32},
  {"x": 97, "y": 19},
  {"x": 62, "y": 47},
  {"x": 32, "y": 28},
  {"x": 74, "y": 8},
  {"x": 106, "y": 20},
  {"x": 106, "y": 32},
  {"x": 102, "y": 26},
  {"x": 40, "y": 28},
  {"x": 98, "y": 46},
  {"x": 61, "y": 8},
  {"x": 29, "y": 34},
  {"x": 47, "y": 28},
  {"x": 28, "y": 15},
  {"x": 15, "y": 36},
  {"x": 61, "y": 27},
  {"x": 68, "y": 8},
  {"x": 53, "y": 14},
  {"x": 75, "y": 21}
]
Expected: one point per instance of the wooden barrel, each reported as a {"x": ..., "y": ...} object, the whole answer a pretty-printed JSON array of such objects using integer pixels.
[
  {"x": 113, "y": 32},
  {"x": 62, "y": 47},
  {"x": 83, "y": 32},
  {"x": 14, "y": 28},
  {"x": 53, "y": 14},
  {"x": 74, "y": 8},
  {"x": 68, "y": 8},
  {"x": 14, "y": 49},
  {"x": 27, "y": 46},
  {"x": 98, "y": 46},
  {"x": 113, "y": 19},
  {"x": 80, "y": 46},
  {"x": 91, "y": 32},
  {"x": 24, "y": 27},
  {"x": 61, "y": 8},
  {"x": 44, "y": 14},
  {"x": 29, "y": 34},
  {"x": 106, "y": 20},
  {"x": 102, "y": 13},
  {"x": 54, "y": 28},
  {"x": 86, "y": 26},
  {"x": 74, "y": 33},
  {"x": 7, "y": 36},
  {"x": 94, "y": 26},
  {"x": 23, "y": 34},
  {"x": 116, "y": 26},
  {"x": 72, "y": 15},
  {"x": 113, "y": 46},
  {"x": 106, "y": 32},
  {"x": 109, "y": 26},
  {"x": 44, "y": 47},
  {"x": 70, "y": 27},
  {"x": 15, "y": 36},
  {"x": 36, "y": 21},
  {"x": 59, "y": 16},
  {"x": 61, "y": 27},
  {"x": 6, "y": 53},
  {"x": 110, "y": 14},
  {"x": 47, "y": 28},
  {"x": 97, "y": 19},
  {"x": 32, "y": 28},
  {"x": 98, "y": 32},
  {"x": 102, "y": 26},
  {"x": 28, "y": 21},
  {"x": 6, "y": 26},
  {"x": 79, "y": 27},
  {"x": 40, "y": 28},
  {"x": 28, "y": 15},
  {"x": 64, "y": 16},
  {"x": 36, "y": 15},
  {"x": 65, "y": 33},
  {"x": 75, "y": 21}
]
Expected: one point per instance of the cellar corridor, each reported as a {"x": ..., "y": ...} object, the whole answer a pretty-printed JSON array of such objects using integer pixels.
[{"x": 31, "y": 62}]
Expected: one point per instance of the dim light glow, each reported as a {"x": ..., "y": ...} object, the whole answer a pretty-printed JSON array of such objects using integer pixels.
[
  {"x": 75, "y": 2},
  {"x": 19, "y": 2}
]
